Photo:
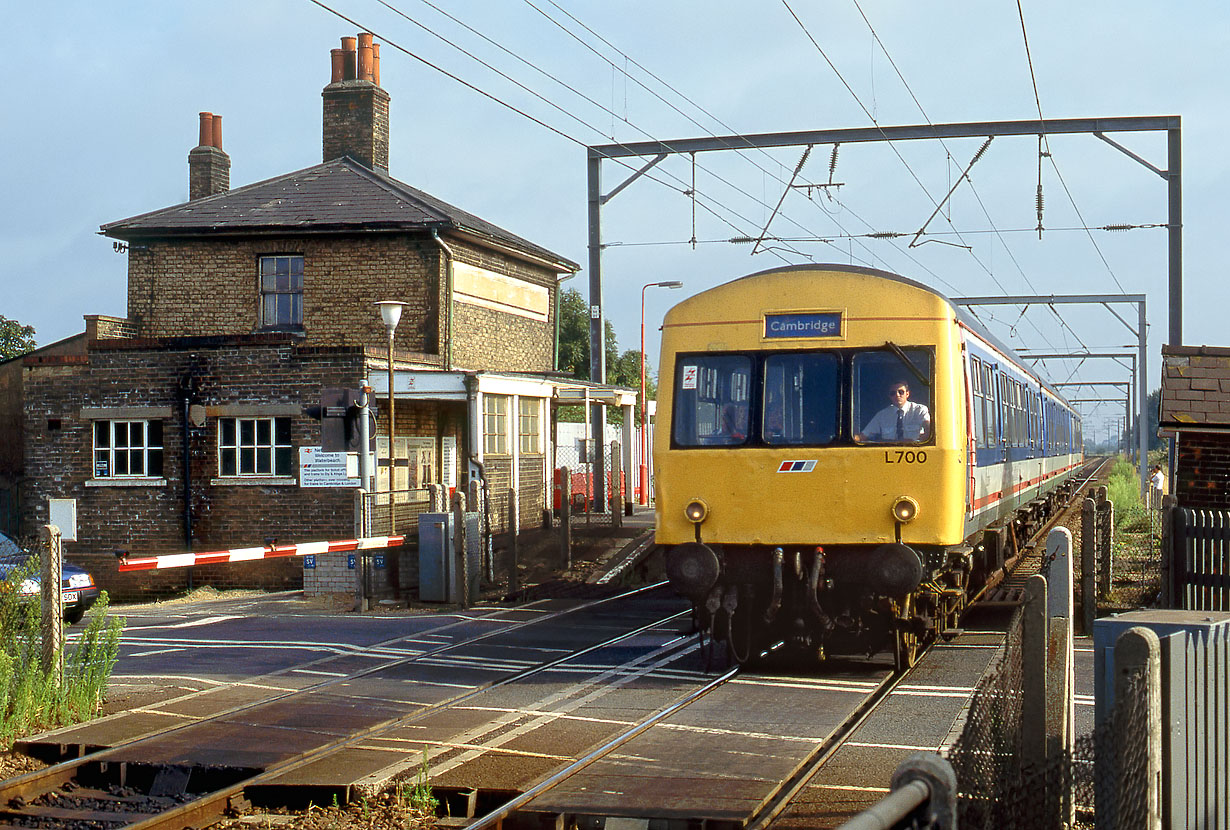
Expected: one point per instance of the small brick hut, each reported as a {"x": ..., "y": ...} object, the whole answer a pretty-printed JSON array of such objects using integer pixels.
[{"x": 1195, "y": 409}]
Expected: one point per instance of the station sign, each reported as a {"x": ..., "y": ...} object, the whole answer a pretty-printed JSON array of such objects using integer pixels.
[
  {"x": 802, "y": 324},
  {"x": 328, "y": 469}
]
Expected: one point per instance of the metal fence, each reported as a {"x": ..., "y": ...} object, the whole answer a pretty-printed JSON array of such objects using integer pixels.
[
  {"x": 594, "y": 499},
  {"x": 1104, "y": 774}
]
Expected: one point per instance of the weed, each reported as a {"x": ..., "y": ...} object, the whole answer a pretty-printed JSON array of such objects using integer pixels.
[
  {"x": 30, "y": 698},
  {"x": 419, "y": 794}
]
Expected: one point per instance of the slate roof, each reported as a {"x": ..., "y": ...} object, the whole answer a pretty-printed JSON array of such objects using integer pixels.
[
  {"x": 338, "y": 195},
  {"x": 1195, "y": 387}
]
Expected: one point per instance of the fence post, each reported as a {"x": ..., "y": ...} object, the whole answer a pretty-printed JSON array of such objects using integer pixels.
[
  {"x": 1060, "y": 714},
  {"x": 52, "y": 573},
  {"x": 1089, "y": 542},
  {"x": 1106, "y": 538},
  {"x": 1171, "y": 551},
  {"x": 1138, "y": 652},
  {"x": 1034, "y": 723},
  {"x": 565, "y": 517},
  {"x": 513, "y": 576},
  {"x": 617, "y": 508},
  {"x": 459, "y": 544}
]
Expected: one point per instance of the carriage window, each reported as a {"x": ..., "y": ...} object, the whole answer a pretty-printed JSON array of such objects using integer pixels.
[
  {"x": 711, "y": 405},
  {"x": 800, "y": 399},
  {"x": 892, "y": 400}
]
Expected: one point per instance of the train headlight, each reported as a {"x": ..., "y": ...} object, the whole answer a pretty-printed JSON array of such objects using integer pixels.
[
  {"x": 696, "y": 511},
  {"x": 905, "y": 509}
]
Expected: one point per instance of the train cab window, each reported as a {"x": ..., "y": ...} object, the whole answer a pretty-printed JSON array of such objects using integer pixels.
[
  {"x": 892, "y": 398},
  {"x": 800, "y": 398},
  {"x": 712, "y": 405}
]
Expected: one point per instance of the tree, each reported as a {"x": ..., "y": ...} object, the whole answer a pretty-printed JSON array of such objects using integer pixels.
[
  {"x": 574, "y": 337},
  {"x": 621, "y": 369},
  {"x": 15, "y": 339}
]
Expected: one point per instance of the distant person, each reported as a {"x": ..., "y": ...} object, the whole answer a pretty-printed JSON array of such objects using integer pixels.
[
  {"x": 1157, "y": 486},
  {"x": 902, "y": 420}
]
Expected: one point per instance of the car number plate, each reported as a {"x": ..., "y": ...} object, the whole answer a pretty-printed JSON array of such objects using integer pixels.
[{"x": 70, "y": 596}]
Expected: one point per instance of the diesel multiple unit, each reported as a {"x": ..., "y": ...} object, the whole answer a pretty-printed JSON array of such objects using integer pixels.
[{"x": 843, "y": 459}]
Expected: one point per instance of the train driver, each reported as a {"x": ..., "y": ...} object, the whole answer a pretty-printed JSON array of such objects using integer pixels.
[{"x": 902, "y": 420}]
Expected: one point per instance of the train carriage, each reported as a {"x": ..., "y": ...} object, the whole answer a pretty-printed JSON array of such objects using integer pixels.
[{"x": 842, "y": 459}]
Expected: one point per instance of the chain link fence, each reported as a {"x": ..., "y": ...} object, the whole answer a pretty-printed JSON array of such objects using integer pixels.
[
  {"x": 590, "y": 494},
  {"x": 1105, "y": 774}
]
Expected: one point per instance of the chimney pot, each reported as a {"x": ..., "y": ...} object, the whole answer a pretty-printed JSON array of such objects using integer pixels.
[
  {"x": 338, "y": 65},
  {"x": 376, "y": 63},
  {"x": 350, "y": 67},
  {"x": 207, "y": 130},
  {"x": 365, "y": 63},
  {"x": 209, "y": 167},
  {"x": 365, "y": 39}
]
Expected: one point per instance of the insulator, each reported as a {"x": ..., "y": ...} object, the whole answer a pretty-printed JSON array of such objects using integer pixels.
[
  {"x": 741, "y": 240},
  {"x": 1039, "y": 200},
  {"x": 981, "y": 150},
  {"x": 884, "y": 235},
  {"x": 833, "y": 160},
  {"x": 1118, "y": 227}
]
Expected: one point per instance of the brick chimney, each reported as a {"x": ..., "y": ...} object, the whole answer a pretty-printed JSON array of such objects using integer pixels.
[
  {"x": 356, "y": 109},
  {"x": 209, "y": 169}
]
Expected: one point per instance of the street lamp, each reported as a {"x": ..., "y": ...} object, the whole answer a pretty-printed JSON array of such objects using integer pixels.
[
  {"x": 644, "y": 404},
  {"x": 390, "y": 313}
]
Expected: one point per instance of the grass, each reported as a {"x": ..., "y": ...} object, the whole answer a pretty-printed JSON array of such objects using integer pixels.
[{"x": 30, "y": 698}]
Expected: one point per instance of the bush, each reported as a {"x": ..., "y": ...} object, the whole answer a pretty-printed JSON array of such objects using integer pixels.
[{"x": 30, "y": 699}]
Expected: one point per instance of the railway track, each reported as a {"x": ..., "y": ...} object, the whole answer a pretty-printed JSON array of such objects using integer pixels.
[{"x": 190, "y": 776}]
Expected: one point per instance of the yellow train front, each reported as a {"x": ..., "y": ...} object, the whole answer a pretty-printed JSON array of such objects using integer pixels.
[{"x": 811, "y": 461}]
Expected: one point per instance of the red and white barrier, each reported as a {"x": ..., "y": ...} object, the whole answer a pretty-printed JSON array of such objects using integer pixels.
[{"x": 215, "y": 557}]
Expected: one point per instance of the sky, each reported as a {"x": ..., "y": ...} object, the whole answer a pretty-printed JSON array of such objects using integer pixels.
[{"x": 103, "y": 100}]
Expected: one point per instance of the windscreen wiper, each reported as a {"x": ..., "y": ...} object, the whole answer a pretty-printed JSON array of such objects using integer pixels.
[{"x": 895, "y": 349}]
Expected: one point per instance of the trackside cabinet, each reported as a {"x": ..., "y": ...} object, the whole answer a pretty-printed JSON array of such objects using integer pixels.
[{"x": 436, "y": 557}]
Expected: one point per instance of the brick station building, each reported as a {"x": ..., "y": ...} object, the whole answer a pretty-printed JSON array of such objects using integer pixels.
[
  {"x": 1195, "y": 410},
  {"x": 183, "y": 425}
]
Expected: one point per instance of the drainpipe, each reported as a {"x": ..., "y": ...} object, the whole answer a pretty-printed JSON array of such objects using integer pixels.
[{"x": 448, "y": 292}]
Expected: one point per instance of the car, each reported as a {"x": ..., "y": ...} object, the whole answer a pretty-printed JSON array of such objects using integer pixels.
[{"x": 79, "y": 589}]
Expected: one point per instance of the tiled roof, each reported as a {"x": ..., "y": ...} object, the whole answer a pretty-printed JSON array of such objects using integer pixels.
[
  {"x": 338, "y": 195},
  {"x": 1195, "y": 387}
]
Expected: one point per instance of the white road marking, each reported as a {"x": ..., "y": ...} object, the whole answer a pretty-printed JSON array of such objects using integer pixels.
[
  {"x": 852, "y": 788},
  {"x": 152, "y": 653},
  {"x": 187, "y": 624}
]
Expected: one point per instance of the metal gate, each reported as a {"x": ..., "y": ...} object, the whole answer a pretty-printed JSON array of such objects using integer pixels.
[
  {"x": 1199, "y": 554},
  {"x": 590, "y": 495}
]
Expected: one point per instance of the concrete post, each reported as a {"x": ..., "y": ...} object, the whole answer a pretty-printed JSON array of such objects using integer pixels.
[
  {"x": 565, "y": 517},
  {"x": 1138, "y": 652},
  {"x": 615, "y": 490},
  {"x": 1170, "y": 594},
  {"x": 1060, "y": 700},
  {"x": 52, "y": 573},
  {"x": 513, "y": 576},
  {"x": 1089, "y": 542},
  {"x": 1106, "y": 538},
  {"x": 1034, "y": 671},
  {"x": 459, "y": 545}
]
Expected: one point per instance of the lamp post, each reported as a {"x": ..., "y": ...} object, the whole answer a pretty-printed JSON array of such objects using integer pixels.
[
  {"x": 390, "y": 313},
  {"x": 644, "y": 477}
]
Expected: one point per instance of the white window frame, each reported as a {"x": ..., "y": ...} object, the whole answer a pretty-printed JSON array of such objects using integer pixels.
[
  {"x": 529, "y": 425},
  {"x": 270, "y": 292},
  {"x": 495, "y": 424},
  {"x": 144, "y": 449},
  {"x": 239, "y": 447}
]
